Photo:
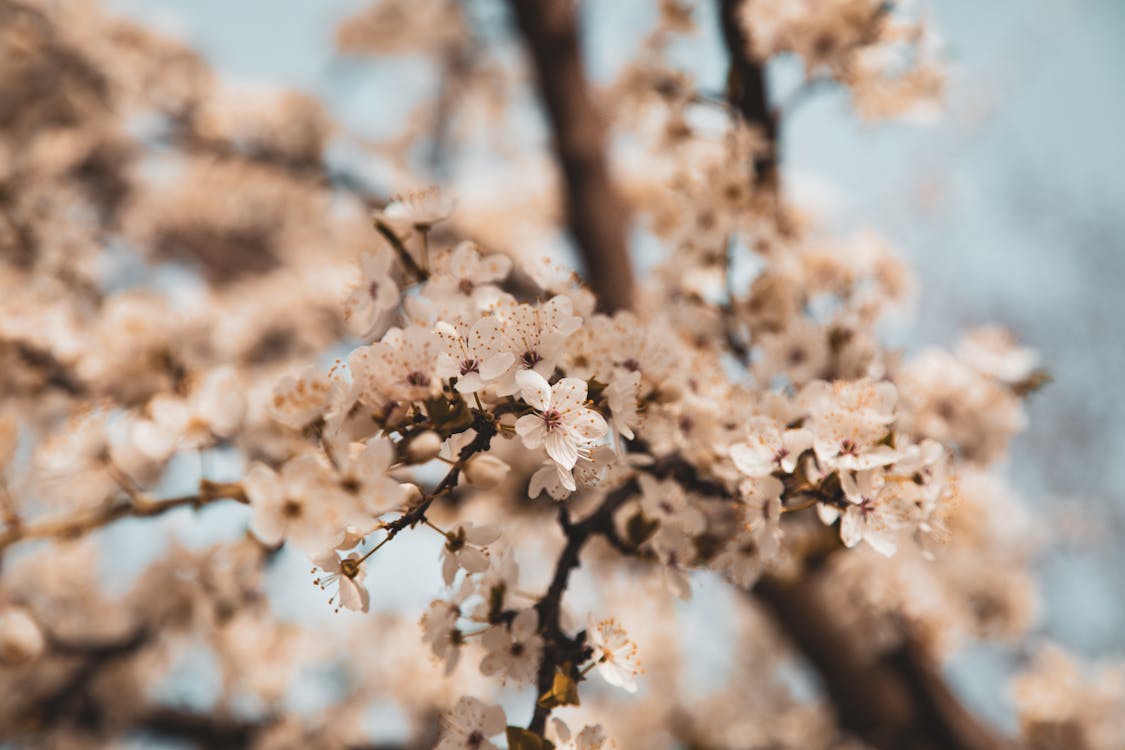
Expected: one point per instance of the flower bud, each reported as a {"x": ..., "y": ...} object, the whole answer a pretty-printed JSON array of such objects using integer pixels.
[
  {"x": 413, "y": 494},
  {"x": 21, "y": 640},
  {"x": 423, "y": 447},
  {"x": 485, "y": 471}
]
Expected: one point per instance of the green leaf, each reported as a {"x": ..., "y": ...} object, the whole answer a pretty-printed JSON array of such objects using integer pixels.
[
  {"x": 563, "y": 692},
  {"x": 524, "y": 739}
]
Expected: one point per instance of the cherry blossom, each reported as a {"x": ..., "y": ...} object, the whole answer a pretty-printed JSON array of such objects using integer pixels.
[
  {"x": 563, "y": 424},
  {"x": 513, "y": 651},
  {"x": 614, "y": 654},
  {"x": 374, "y": 296},
  {"x": 469, "y": 725}
]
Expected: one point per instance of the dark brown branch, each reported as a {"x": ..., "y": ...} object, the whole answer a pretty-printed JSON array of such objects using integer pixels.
[
  {"x": 596, "y": 215},
  {"x": 558, "y": 647},
  {"x": 401, "y": 251},
  {"x": 746, "y": 91},
  {"x": 894, "y": 701},
  {"x": 202, "y": 730}
]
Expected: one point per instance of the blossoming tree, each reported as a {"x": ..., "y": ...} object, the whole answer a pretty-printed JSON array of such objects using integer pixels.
[{"x": 186, "y": 272}]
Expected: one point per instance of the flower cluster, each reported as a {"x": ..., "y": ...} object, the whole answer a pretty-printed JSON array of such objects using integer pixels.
[{"x": 189, "y": 288}]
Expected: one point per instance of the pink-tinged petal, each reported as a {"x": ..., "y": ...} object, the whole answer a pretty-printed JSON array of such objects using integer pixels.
[
  {"x": 534, "y": 389},
  {"x": 869, "y": 482},
  {"x": 562, "y": 449},
  {"x": 617, "y": 676},
  {"x": 851, "y": 527},
  {"x": 492, "y": 662},
  {"x": 472, "y": 559},
  {"x": 692, "y": 520},
  {"x": 495, "y": 365},
  {"x": 494, "y": 639},
  {"x": 153, "y": 440},
  {"x": 263, "y": 487},
  {"x": 568, "y": 394},
  {"x": 882, "y": 541},
  {"x": 492, "y": 720},
  {"x": 327, "y": 561},
  {"x": 751, "y": 460},
  {"x": 530, "y": 427},
  {"x": 495, "y": 267},
  {"x": 541, "y": 480},
  {"x": 886, "y": 395},
  {"x": 268, "y": 524},
  {"x": 587, "y": 424},
  {"x": 565, "y": 478},
  {"x": 354, "y": 595},
  {"x": 851, "y": 488},
  {"x": 470, "y": 383},
  {"x": 826, "y": 451},
  {"x": 446, "y": 366},
  {"x": 880, "y": 455},
  {"x": 448, "y": 568},
  {"x": 481, "y": 535},
  {"x": 486, "y": 336},
  {"x": 795, "y": 443},
  {"x": 375, "y": 459},
  {"x": 525, "y": 624}
]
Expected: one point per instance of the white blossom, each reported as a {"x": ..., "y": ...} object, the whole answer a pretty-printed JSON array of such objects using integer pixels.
[
  {"x": 563, "y": 424},
  {"x": 374, "y": 296},
  {"x": 614, "y": 653},
  {"x": 469, "y": 725},
  {"x": 513, "y": 651},
  {"x": 464, "y": 549}
]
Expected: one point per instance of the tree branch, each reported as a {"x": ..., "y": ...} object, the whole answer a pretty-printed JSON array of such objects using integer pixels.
[
  {"x": 77, "y": 524},
  {"x": 747, "y": 93},
  {"x": 597, "y": 217},
  {"x": 558, "y": 647},
  {"x": 894, "y": 701}
]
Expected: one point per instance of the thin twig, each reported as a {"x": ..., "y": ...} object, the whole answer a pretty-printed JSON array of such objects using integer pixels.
[
  {"x": 77, "y": 524},
  {"x": 404, "y": 255}
]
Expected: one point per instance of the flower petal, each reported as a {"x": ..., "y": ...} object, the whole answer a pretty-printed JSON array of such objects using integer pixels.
[
  {"x": 534, "y": 389},
  {"x": 530, "y": 427},
  {"x": 562, "y": 449}
]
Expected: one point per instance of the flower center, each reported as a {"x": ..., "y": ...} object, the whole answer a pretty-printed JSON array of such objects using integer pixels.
[
  {"x": 529, "y": 359},
  {"x": 349, "y": 567},
  {"x": 476, "y": 739},
  {"x": 418, "y": 378},
  {"x": 552, "y": 419},
  {"x": 291, "y": 509},
  {"x": 466, "y": 286},
  {"x": 373, "y": 290},
  {"x": 849, "y": 448},
  {"x": 469, "y": 365}
]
